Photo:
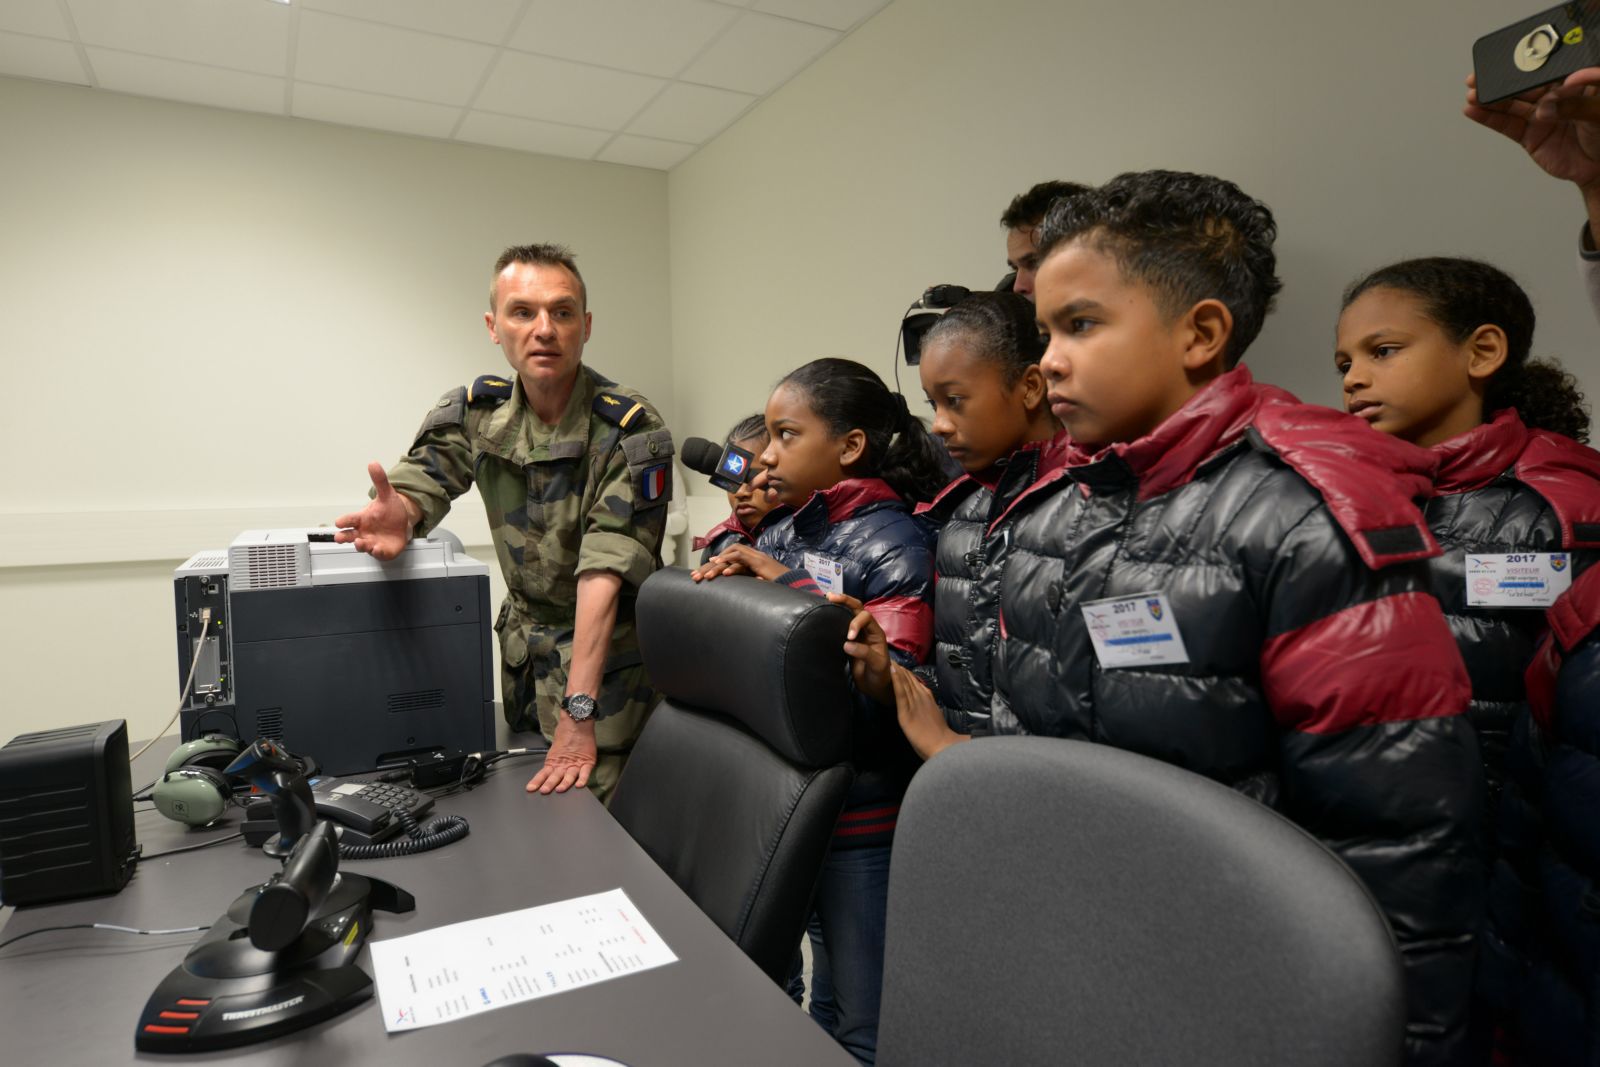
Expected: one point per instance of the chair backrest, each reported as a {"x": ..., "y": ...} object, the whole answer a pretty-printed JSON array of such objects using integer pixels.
[
  {"x": 1056, "y": 901},
  {"x": 737, "y": 780}
]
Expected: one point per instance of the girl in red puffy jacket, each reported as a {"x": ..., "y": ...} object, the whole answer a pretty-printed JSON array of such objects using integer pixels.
[{"x": 1437, "y": 352}]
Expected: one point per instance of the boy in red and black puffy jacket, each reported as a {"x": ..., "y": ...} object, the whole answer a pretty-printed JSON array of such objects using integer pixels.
[{"x": 1224, "y": 578}]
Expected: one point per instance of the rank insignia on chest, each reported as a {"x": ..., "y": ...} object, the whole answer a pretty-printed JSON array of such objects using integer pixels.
[{"x": 653, "y": 482}]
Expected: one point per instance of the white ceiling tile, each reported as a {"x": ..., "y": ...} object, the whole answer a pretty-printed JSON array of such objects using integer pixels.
[
  {"x": 648, "y": 36},
  {"x": 759, "y": 53},
  {"x": 835, "y": 14},
  {"x": 350, "y": 108},
  {"x": 528, "y": 135},
  {"x": 247, "y": 35},
  {"x": 42, "y": 18},
  {"x": 480, "y": 20},
  {"x": 171, "y": 79},
  {"x": 691, "y": 113},
  {"x": 538, "y": 88},
  {"x": 35, "y": 57},
  {"x": 365, "y": 56},
  {"x": 645, "y": 152}
]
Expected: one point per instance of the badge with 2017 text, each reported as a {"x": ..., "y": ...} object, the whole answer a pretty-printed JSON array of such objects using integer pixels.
[
  {"x": 1134, "y": 631},
  {"x": 828, "y": 573},
  {"x": 1517, "y": 579}
]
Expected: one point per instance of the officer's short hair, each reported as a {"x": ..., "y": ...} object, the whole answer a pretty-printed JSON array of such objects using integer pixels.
[{"x": 542, "y": 255}]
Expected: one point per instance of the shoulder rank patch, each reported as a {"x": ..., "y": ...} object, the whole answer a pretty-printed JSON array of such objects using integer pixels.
[
  {"x": 491, "y": 388},
  {"x": 618, "y": 410}
]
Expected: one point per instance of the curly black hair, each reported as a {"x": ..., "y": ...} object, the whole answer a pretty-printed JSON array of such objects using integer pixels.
[
  {"x": 1188, "y": 237},
  {"x": 848, "y": 396},
  {"x": 1027, "y": 209},
  {"x": 1000, "y": 327},
  {"x": 1463, "y": 294}
]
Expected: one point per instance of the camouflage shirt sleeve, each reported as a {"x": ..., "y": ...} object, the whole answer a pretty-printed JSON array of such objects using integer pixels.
[
  {"x": 622, "y": 532},
  {"x": 439, "y": 466}
]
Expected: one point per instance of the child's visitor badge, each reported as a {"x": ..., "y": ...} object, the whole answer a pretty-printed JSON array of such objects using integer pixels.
[
  {"x": 1134, "y": 631},
  {"x": 828, "y": 573},
  {"x": 1517, "y": 579}
]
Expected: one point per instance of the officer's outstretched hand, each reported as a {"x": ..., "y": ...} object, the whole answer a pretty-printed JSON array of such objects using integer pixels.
[
  {"x": 868, "y": 648},
  {"x": 383, "y": 527},
  {"x": 571, "y": 757}
]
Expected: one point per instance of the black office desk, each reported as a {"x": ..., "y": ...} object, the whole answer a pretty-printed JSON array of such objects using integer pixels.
[{"x": 73, "y": 997}]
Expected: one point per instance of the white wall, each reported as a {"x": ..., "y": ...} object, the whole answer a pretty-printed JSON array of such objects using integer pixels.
[
  {"x": 807, "y": 228},
  {"x": 211, "y": 320}
]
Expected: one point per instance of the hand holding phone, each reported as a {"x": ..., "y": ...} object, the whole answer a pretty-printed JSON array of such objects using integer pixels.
[{"x": 1536, "y": 51}]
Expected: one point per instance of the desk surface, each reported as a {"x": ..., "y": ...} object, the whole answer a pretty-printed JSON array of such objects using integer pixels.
[{"x": 74, "y": 996}]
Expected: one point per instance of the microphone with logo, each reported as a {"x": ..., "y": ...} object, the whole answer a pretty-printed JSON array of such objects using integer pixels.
[{"x": 728, "y": 466}]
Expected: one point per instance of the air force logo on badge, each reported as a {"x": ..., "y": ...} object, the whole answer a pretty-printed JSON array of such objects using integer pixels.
[
  {"x": 653, "y": 483},
  {"x": 1154, "y": 604},
  {"x": 1558, "y": 561}
]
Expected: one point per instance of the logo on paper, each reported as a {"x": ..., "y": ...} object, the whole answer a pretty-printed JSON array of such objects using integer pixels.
[
  {"x": 1483, "y": 586},
  {"x": 1154, "y": 604},
  {"x": 1558, "y": 561},
  {"x": 406, "y": 1015}
]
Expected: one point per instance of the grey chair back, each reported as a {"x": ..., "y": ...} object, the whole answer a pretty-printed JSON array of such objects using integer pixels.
[{"x": 1059, "y": 902}]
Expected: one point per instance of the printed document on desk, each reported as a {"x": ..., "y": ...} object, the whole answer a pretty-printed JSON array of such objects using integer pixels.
[{"x": 454, "y": 971}]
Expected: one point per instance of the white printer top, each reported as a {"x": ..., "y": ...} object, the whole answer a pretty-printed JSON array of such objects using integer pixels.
[{"x": 285, "y": 559}]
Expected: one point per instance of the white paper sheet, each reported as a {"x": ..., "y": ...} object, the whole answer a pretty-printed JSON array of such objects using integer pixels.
[{"x": 451, "y": 972}]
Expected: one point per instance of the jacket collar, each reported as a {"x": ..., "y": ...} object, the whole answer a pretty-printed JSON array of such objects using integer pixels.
[
  {"x": 840, "y": 501},
  {"x": 1474, "y": 459},
  {"x": 1050, "y": 466},
  {"x": 953, "y": 494},
  {"x": 1168, "y": 456}
]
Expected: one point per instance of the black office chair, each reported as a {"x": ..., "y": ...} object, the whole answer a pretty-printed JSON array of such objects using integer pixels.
[
  {"x": 1062, "y": 902},
  {"x": 737, "y": 780}
]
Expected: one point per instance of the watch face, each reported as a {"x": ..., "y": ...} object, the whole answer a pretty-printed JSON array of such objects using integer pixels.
[{"x": 579, "y": 706}]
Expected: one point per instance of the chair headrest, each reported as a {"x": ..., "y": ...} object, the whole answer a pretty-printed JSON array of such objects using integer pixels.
[{"x": 766, "y": 655}]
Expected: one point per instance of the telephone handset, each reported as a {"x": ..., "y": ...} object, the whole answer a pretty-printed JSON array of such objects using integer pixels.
[{"x": 364, "y": 810}]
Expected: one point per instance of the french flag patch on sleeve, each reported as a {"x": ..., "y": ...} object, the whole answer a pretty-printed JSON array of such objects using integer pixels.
[{"x": 653, "y": 483}]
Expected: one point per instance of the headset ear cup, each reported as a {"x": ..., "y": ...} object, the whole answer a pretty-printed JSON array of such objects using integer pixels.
[
  {"x": 194, "y": 796},
  {"x": 212, "y": 750}
]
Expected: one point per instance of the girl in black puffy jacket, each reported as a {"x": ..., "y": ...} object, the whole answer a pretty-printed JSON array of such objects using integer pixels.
[
  {"x": 980, "y": 372},
  {"x": 848, "y": 456},
  {"x": 1436, "y": 352}
]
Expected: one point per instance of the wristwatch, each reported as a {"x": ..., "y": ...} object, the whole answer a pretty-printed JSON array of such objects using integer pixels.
[{"x": 580, "y": 706}]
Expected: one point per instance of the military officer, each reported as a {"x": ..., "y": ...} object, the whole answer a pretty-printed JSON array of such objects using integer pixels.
[{"x": 575, "y": 473}]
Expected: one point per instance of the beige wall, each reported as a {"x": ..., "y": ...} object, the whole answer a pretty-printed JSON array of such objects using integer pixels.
[
  {"x": 807, "y": 228},
  {"x": 210, "y": 321}
]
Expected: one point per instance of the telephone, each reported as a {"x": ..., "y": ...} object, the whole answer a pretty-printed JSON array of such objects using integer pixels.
[{"x": 364, "y": 810}]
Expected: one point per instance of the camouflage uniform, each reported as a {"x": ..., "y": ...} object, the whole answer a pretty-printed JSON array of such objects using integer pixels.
[{"x": 587, "y": 494}]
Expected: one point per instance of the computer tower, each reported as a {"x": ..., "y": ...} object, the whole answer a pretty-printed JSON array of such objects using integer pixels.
[{"x": 66, "y": 814}]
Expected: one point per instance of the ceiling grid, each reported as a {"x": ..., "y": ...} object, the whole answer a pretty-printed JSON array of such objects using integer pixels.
[{"x": 637, "y": 82}]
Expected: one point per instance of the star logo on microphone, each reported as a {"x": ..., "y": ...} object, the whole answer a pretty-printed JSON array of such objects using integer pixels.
[{"x": 734, "y": 464}]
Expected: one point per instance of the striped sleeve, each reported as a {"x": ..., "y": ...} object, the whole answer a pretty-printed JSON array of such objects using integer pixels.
[{"x": 1377, "y": 760}]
